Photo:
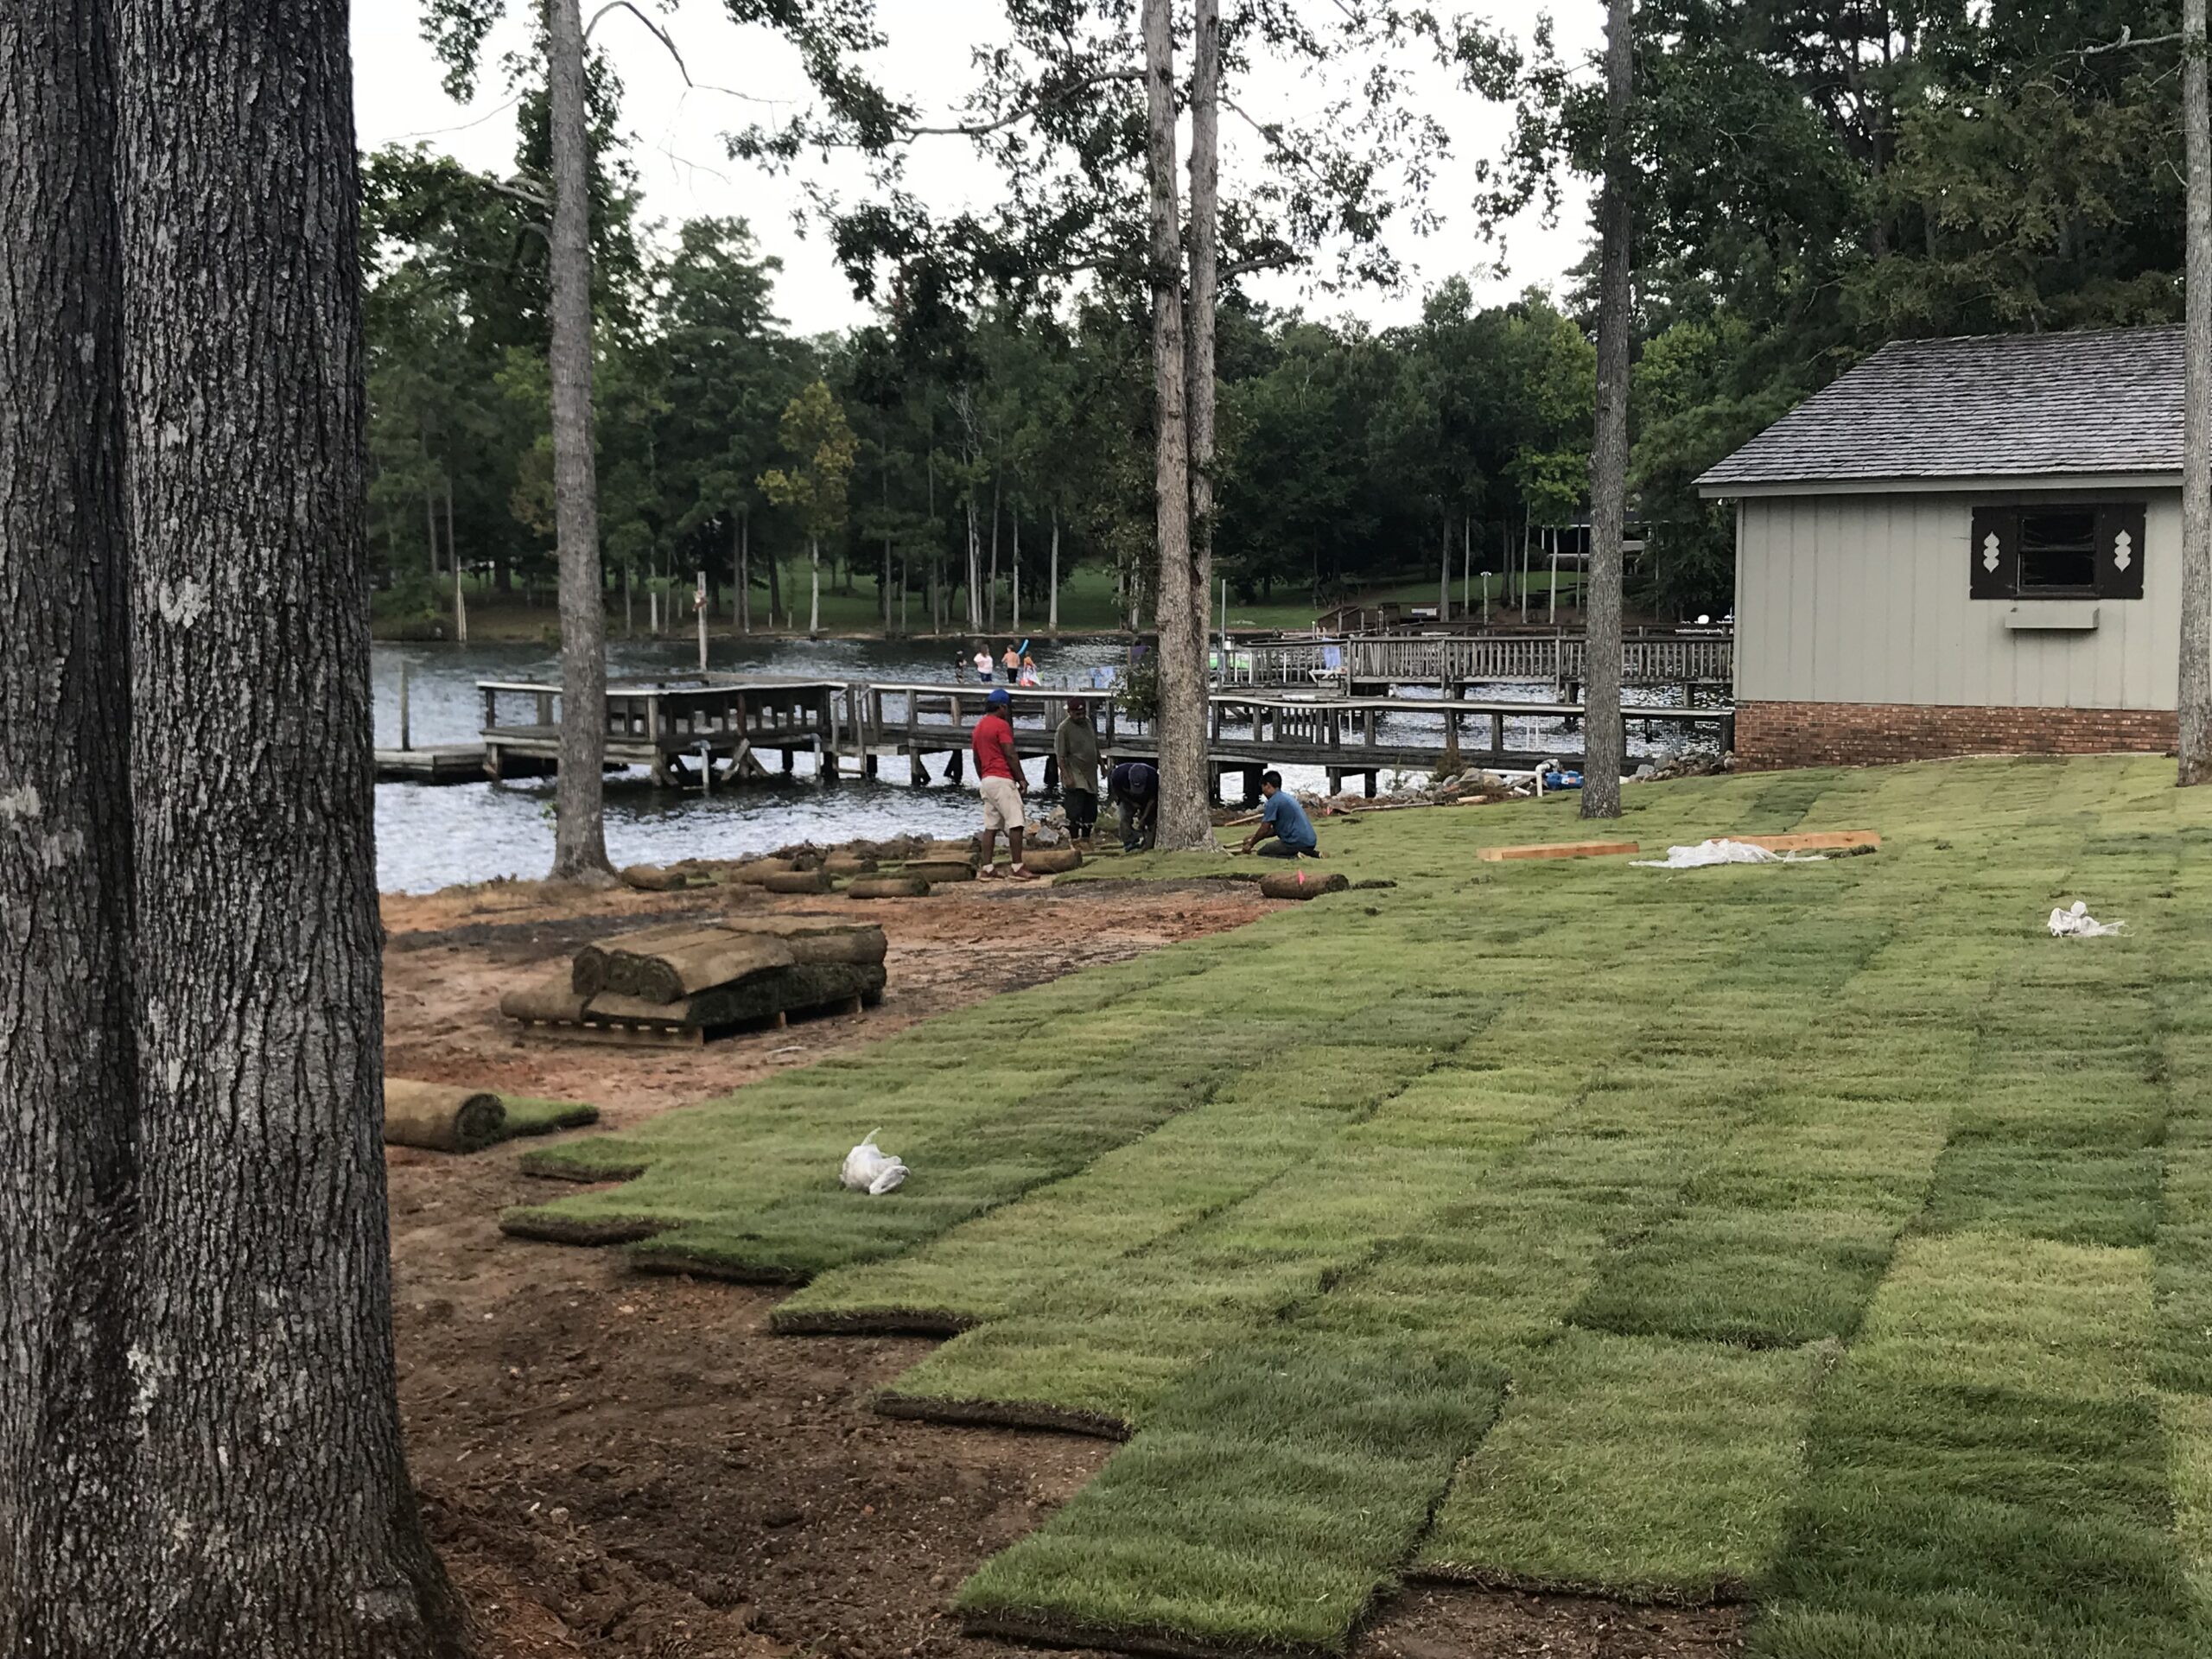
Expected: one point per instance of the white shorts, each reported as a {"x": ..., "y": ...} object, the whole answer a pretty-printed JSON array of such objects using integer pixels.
[{"x": 1002, "y": 805}]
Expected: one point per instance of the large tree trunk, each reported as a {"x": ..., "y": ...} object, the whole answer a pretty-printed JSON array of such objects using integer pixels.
[
  {"x": 2196, "y": 687},
  {"x": 579, "y": 827},
  {"x": 1186, "y": 784},
  {"x": 1603, "y": 738},
  {"x": 67, "y": 1064},
  {"x": 276, "y": 1512}
]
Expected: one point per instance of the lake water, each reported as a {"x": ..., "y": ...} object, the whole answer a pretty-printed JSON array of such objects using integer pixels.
[{"x": 428, "y": 838}]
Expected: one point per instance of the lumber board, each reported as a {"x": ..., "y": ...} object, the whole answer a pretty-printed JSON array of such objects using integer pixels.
[
  {"x": 1558, "y": 850},
  {"x": 1811, "y": 841}
]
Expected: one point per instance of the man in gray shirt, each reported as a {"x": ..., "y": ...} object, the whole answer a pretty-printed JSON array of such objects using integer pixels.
[{"x": 1074, "y": 745}]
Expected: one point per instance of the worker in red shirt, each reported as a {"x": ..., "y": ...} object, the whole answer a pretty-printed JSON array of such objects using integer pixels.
[{"x": 998, "y": 774}]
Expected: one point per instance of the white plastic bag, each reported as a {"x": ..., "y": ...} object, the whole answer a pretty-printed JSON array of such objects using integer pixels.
[
  {"x": 2078, "y": 924},
  {"x": 871, "y": 1170},
  {"x": 1723, "y": 851}
]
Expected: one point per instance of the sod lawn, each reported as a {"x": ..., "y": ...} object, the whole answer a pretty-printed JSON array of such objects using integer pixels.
[{"x": 1826, "y": 1235}]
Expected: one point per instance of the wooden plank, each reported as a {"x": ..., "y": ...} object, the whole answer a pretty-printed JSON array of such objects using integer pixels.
[
  {"x": 1811, "y": 842},
  {"x": 1557, "y": 849}
]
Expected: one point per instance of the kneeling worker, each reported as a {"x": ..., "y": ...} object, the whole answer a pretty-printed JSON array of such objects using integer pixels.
[
  {"x": 1133, "y": 786},
  {"x": 1284, "y": 819}
]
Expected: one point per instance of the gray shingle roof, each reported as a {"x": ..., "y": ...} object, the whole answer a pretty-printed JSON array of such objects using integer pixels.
[{"x": 1985, "y": 406}]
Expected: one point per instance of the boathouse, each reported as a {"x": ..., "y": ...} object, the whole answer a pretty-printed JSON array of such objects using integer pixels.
[{"x": 1964, "y": 546}]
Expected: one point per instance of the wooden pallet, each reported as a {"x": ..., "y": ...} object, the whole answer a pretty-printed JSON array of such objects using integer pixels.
[
  {"x": 624, "y": 1035},
  {"x": 1557, "y": 849}
]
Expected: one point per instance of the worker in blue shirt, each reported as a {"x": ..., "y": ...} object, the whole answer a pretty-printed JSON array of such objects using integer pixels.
[{"x": 1285, "y": 820}]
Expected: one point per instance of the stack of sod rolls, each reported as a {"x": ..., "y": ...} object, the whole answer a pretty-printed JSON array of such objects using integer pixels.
[{"x": 697, "y": 978}]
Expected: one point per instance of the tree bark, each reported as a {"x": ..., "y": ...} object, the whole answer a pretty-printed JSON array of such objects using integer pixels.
[
  {"x": 1181, "y": 606},
  {"x": 1016, "y": 562},
  {"x": 2195, "y": 692},
  {"x": 579, "y": 826},
  {"x": 1603, "y": 737},
  {"x": 814, "y": 576},
  {"x": 67, "y": 1061},
  {"x": 276, "y": 1514},
  {"x": 1444, "y": 577},
  {"x": 991, "y": 604},
  {"x": 1052, "y": 619}
]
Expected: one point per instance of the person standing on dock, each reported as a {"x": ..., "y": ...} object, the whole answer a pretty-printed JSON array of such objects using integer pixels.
[
  {"x": 1075, "y": 746},
  {"x": 1134, "y": 786},
  {"x": 1283, "y": 820},
  {"x": 998, "y": 774}
]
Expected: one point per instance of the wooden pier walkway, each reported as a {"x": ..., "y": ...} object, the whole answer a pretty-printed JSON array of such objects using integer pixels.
[
  {"x": 703, "y": 730},
  {"x": 1363, "y": 663}
]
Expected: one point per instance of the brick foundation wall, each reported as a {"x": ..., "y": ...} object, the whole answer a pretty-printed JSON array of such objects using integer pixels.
[{"x": 1868, "y": 733}]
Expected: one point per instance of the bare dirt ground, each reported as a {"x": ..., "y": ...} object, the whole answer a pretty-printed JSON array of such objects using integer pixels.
[{"x": 629, "y": 1465}]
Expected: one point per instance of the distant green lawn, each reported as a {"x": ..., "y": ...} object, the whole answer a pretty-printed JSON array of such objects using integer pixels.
[{"x": 1825, "y": 1234}]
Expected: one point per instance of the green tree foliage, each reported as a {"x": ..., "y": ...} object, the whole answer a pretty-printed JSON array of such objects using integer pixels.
[{"x": 814, "y": 486}]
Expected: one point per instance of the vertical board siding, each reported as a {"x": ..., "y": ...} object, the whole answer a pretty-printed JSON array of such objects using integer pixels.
[{"x": 1865, "y": 598}]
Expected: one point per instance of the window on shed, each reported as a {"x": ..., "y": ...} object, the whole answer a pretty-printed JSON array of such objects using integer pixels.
[{"x": 2058, "y": 550}]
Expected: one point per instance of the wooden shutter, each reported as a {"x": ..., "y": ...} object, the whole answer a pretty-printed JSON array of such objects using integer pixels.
[
  {"x": 1994, "y": 554},
  {"x": 2119, "y": 550}
]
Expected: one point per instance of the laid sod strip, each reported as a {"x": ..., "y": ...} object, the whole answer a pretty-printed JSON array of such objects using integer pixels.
[
  {"x": 967, "y": 1168},
  {"x": 2188, "y": 1420},
  {"x": 1632, "y": 1466},
  {"x": 2184, "y": 1355},
  {"x": 527, "y": 1115},
  {"x": 1192, "y": 1167},
  {"x": 1276, "y": 1496},
  {"x": 1987, "y": 1471}
]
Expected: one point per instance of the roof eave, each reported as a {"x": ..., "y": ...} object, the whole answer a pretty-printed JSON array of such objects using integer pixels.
[{"x": 1941, "y": 484}]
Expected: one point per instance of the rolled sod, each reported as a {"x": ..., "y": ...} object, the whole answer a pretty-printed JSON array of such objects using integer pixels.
[
  {"x": 588, "y": 973},
  {"x": 623, "y": 964},
  {"x": 848, "y": 864},
  {"x": 1300, "y": 884},
  {"x": 686, "y": 969},
  {"x": 796, "y": 882},
  {"x": 751, "y": 874},
  {"x": 863, "y": 946},
  {"x": 552, "y": 999},
  {"x": 439, "y": 1118},
  {"x": 889, "y": 887},
  {"x": 1052, "y": 860},
  {"x": 657, "y": 878},
  {"x": 938, "y": 870},
  {"x": 951, "y": 852}
]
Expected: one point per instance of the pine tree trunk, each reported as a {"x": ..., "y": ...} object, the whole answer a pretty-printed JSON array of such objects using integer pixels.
[
  {"x": 1180, "y": 606},
  {"x": 776, "y": 605},
  {"x": 1017, "y": 569},
  {"x": 991, "y": 604},
  {"x": 1444, "y": 580},
  {"x": 814, "y": 574},
  {"x": 274, "y": 1512},
  {"x": 2195, "y": 692},
  {"x": 742, "y": 571},
  {"x": 579, "y": 827},
  {"x": 67, "y": 1075},
  {"x": 1603, "y": 737},
  {"x": 1053, "y": 621}
]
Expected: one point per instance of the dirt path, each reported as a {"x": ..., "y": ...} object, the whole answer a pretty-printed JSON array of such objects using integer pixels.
[{"x": 629, "y": 1465}]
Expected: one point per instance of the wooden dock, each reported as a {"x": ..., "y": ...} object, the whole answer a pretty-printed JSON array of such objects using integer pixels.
[
  {"x": 711, "y": 729},
  {"x": 439, "y": 763},
  {"x": 1692, "y": 661}
]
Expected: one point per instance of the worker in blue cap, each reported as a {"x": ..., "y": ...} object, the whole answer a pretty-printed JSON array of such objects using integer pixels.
[{"x": 998, "y": 774}]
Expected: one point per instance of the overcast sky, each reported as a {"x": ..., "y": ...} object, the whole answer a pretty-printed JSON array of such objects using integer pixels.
[{"x": 685, "y": 171}]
